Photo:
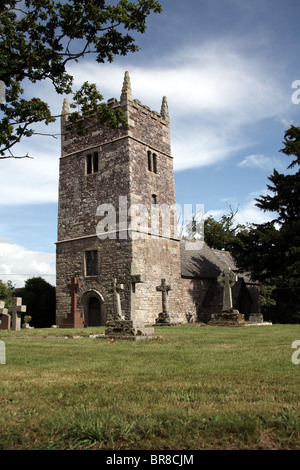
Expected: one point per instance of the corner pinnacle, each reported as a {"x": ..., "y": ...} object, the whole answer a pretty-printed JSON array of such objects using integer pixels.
[
  {"x": 164, "y": 109},
  {"x": 126, "y": 90}
]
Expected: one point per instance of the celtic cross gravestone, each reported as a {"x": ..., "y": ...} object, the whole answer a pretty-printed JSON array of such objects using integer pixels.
[{"x": 227, "y": 279}]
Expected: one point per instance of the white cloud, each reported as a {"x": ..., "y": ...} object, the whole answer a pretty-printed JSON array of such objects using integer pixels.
[
  {"x": 203, "y": 147},
  {"x": 261, "y": 161},
  {"x": 249, "y": 212},
  {"x": 212, "y": 78},
  {"x": 18, "y": 264},
  {"x": 246, "y": 212},
  {"x": 215, "y": 93},
  {"x": 34, "y": 180}
]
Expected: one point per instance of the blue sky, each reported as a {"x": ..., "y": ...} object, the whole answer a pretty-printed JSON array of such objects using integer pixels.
[{"x": 227, "y": 68}]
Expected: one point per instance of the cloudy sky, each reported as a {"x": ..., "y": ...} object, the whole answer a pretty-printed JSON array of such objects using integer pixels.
[{"x": 227, "y": 67}]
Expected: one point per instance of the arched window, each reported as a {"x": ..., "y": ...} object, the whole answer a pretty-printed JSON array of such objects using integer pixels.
[
  {"x": 152, "y": 161},
  {"x": 91, "y": 163},
  {"x": 149, "y": 160},
  {"x": 91, "y": 263}
]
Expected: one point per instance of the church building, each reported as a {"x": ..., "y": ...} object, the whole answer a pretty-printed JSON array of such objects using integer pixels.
[{"x": 117, "y": 217}]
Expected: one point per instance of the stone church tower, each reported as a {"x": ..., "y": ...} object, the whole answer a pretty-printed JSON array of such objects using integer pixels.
[{"x": 116, "y": 213}]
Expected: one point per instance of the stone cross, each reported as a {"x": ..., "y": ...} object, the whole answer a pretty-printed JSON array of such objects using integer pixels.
[
  {"x": 74, "y": 286},
  {"x": 227, "y": 279},
  {"x": 116, "y": 288},
  {"x": 16, "y": 309},
  {"x": 73, "y": 319},
  {"x": 164, "y": 289},
  {"x": 5, "y": 319},
  {"x": 130, "y": 280}
]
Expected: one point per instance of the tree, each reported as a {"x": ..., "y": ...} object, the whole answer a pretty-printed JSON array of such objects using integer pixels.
[
  {"x": 221, "y": 234},
  {"x": 39, "y": 38},
  {"x": 39, "y": 297},
  {"x": 6, "y": 292},
  {"x": 271, "y": 251}
]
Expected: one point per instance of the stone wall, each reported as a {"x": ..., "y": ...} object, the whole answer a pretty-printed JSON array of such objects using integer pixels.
[
  {"x": 122, "y": 172},
  {"x": 158, "y": 259},
  {"x": 113, "y": 258},
  {"x": 193, "y": 292}
]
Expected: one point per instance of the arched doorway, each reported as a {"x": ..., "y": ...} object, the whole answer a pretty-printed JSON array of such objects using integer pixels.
[
  {"x": 94, "y": 309},
  {"x": 94, "y": 312}
]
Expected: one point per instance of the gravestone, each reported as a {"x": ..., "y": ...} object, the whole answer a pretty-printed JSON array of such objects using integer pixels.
[
  {"x": 256, "y": 317},
  {"x": 16, "y": 309},
  {"x": 5, "y": 319},
  {"x": 73, "y": 320},
  {"x": 227, "y": 279},
  {"x": 126, "y": 327},
  {"x": 228, "y": 316},
  {"x": 164, "y": 317},
  {"x": 116, "y": 289},
  {"x": 2, "y": 353}
]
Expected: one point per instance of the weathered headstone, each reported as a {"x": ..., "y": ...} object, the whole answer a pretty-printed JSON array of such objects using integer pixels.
[
  {"x": 256, "y": 317},
  {"x": 16, "y": 309},
  {"x": 129, "y": 281},
  {"x": 2, "y": 353},
  {"x": 227, "y": 279},
  {"x": 164, "y": 288},
  {"x": 5, "y": 319},
  {"x": 73, "y": 320},
  {"x": 228, "y": 316},
  {"x": 126, "y": 328},
  {"x": 164, "y": 317},
  {"x": 116, "y": 288},
  {"x": 74, "y": 286}
]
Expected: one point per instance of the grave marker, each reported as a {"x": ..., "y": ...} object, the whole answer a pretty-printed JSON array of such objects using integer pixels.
[
  {"x": 2, "y": 353},
  {"x": 116, "y": 288},
  {"x": 163, "y": 317},
  {"x": 73, "y": 320},
  {"x": 227, "y": 279},
  {"x": 5, "y": 319},
  {"x": 228, "y": 316},
  {"x": 16, "y": 309},
  {"x": 126, "y": 328},
  {"x": 164, "y": 289}
]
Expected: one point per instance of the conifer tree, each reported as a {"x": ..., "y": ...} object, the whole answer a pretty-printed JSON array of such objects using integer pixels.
[{"x": 271, "y": 251}]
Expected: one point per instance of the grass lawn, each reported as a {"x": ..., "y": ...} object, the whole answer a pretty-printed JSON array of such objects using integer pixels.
[{"x": 192, "y": 388}]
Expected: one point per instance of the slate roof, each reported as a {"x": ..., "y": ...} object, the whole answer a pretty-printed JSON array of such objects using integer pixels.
[{"x": 205, "y": 262}]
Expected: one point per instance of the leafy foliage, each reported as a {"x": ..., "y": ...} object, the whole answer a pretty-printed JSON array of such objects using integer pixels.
[
  {"x": 271, "y": 251},
  {"x": 39, "y": 38},
  {"x": 6, "y": 292},
  {"x": 221, "y": 234},
  {"x": 39, "y": 297}
]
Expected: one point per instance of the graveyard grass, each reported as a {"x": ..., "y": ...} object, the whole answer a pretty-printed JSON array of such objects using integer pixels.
[{"x": 194, "y": 387}]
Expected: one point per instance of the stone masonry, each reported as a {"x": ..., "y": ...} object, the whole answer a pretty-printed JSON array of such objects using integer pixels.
[
  {"x": 133, "y": 168},
  {"x": 117, "y": 209}
]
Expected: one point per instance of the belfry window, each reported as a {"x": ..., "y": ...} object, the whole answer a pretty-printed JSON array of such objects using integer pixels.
[
  {"x": 152, "y": 161},
  {"x": 149, "y": 160},
  {"x": 91, "y": 263},
  {"x": 91, "y": 163}
]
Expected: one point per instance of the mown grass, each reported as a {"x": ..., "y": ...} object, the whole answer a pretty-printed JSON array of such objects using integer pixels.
[{"x": 192, "y": 388}]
